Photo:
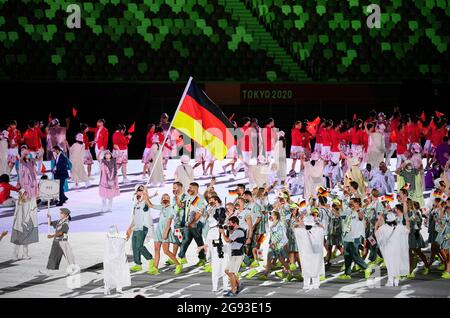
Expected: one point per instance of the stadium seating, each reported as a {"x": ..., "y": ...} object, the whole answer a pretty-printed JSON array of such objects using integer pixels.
[
  {"x": 226, "y": 40},
  {"x": 331, "y": 41}
]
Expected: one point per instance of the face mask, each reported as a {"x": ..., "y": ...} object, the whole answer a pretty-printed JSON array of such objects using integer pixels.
[
  {"x": 231, "y": 227},
  {"x": 308, "y": 227}
]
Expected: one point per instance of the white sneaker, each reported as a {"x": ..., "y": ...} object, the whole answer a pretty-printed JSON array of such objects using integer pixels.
[
  {"x": 396, "y": 282},
  {"x": 390, "y": 283}
]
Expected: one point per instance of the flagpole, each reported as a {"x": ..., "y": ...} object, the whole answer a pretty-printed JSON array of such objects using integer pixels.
[{"x": 170, "y": 126}]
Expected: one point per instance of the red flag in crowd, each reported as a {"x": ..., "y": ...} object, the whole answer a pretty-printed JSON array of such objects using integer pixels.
[
  {"x": 43, "y": 170},
  {"x": 422, "y": 117},
  {"x": 439, "y": 114},
  {"x": 311, "y": 127},
  {"x": 132, "y": 128},
  {"x": 74, "y": 112}
]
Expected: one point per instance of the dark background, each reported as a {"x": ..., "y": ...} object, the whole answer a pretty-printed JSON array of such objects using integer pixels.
[{"x": 144, "y": 103}]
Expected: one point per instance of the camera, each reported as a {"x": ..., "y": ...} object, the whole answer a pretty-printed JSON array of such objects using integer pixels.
[
  {"x": 223, "y": 227},
  {"x": 219, "y": 245}
]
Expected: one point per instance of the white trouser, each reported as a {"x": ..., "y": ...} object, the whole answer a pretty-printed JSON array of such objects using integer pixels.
[
  {"x": 400, "y": 159},
  {"x": 217, "y": 264},
  {"x": 307, "y": 282},
  {"x": 24, "y": 251},
  {"x": 390, "y": 152},
  {"x": 67, "y": 250},
  {"x": 106, "y": 205}
]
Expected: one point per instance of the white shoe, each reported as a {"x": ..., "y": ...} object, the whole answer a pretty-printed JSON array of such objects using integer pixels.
[
  {"x": 396, "y": 282},
  {"x": 26, "y": 257},
  {"x": 46, "y": 272},
  {"x": 390, "y": 283}
]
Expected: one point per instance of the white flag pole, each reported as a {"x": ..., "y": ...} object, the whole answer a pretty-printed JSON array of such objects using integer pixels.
[{"x": 170, "y": 126}]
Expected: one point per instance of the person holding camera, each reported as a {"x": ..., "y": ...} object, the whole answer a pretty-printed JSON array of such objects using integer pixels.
[
  {"x": 236, "y": 237},
  {"x": 216, "y": 220}
]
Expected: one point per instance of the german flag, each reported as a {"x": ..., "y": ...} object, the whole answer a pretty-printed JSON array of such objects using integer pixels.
[
  {"x": 232, "y": 193},
  {"x": 203, "y": 121}
]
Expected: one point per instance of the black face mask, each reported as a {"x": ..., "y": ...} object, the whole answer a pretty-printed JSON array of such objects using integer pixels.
[
  {"x": 308, "y": 227},
  {"x": 231, "y": 227},
  {"x": 392, "y": 223}
]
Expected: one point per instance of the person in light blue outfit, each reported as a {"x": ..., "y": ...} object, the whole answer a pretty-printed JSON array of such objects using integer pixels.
[
  {"x": 443, "y": 237},
  {"x": 164, "y": 233}
]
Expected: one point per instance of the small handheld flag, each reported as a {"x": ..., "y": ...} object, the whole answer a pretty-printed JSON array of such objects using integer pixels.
[
  {"x": 232, "y": 193},
  {"x": 387, "y": 197},
  {"x": 422, "y": 117},
  {"x": 132, "y": 128},
  {"x": 439, "y": 114},
  {"x": 74, "y": 112}
]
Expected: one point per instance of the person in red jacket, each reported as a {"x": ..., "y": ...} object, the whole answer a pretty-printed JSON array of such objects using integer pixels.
[
  {"x": 32, "y": 138},
  {"x": 356, "y": 139},
  {"x": 39, "y": 135},
  {"x": 14, "y": 140},
  {"x": 296, "y": 143},
  {"x": 269, "y": 138},
  {"x": 120, "y": 149},
  {"x": 392, "y": 126},
  {"x": 148, "y": 146},
  {"x": 88, "y": 160},
  {"x": 101, "y": 138},
  {"x": 326, "y": 139},
  {"x": 5, "y": 192},
  {"x": 402, "y": 144},
  {"x": 335, "y": 139}
]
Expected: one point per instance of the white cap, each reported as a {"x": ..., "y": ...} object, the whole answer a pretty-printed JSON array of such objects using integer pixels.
[
  {"x": 390, "y": 217},
  {"x": 309, "y": 220},
  {"x": 79, "y": 137},
  {"x": 184, "y": 159}
]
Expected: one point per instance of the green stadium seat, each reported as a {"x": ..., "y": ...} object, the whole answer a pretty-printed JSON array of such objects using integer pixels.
[
  {"x": 271, "y": 76},
  {"x": 174, "y": 75},
  {"x": 56, "y": 59},
  {"x": 113, "y": 59}
]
